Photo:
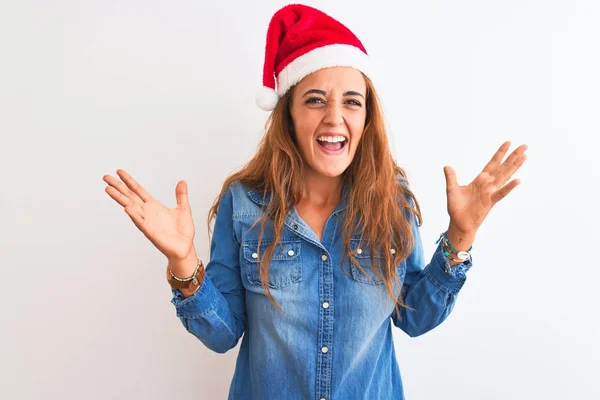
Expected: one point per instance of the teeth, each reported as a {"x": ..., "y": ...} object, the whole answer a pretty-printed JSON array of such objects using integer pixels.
[{"x": 331, "y": 139}]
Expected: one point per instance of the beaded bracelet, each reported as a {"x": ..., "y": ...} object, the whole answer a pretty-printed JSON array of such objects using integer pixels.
[
  {"x": 191, "y": 278},
  {"x": 448, "y": 248},
  {"x": 448, "y": 252},
  {"x": 459, "y": 270}
]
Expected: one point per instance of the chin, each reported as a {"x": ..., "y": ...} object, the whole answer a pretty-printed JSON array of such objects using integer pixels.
[{"x": 333, "y": 171}]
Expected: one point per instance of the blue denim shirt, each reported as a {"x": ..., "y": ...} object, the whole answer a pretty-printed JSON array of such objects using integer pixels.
[{"x": 334, "y": 340}]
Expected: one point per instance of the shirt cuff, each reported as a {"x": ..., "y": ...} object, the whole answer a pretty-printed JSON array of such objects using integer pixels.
[
  {"x": 203, "y": 301},
  {"x": 445, "y": 276},
  {"x": 459, "y": 270}
]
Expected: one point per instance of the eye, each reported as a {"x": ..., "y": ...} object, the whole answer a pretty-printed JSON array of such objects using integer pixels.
[
  {"x": 355, "y": 103},
  {"x": 315, "y": 100}
]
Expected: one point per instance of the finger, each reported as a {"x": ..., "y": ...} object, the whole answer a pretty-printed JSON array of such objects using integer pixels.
[
  {"x": 515, "y": 167},
  {"x": 133, "y": 185},
  {"x": 118, "y": 196},
  {"x": 134, "y": 213},
  {"x": 181, "y": 193},
  {"x": 505, "y": 190},
  {"x": 120, "y": 186},
  {"x": 512, "y": 164},
  {"x": 451, "y": 181},
  {"x": 497, "y": 157}
]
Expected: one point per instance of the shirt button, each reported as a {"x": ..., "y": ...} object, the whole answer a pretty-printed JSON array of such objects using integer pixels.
[
  {"x": 291, "y": 253},
  {"x": 324, "y": 349},
  {"x": 295, "y": 227},
  {"x": 326, "y": 305},
  {"x": 324, "y": 257},
  {"x": 393, "y": 251},
  {"x": 254, "y": 255},
  {"x": 322, "y": 398},
  {"x": 358, "y": 251}
]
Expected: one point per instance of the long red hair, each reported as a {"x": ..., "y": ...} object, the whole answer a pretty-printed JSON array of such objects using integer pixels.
[{"x": 378, "y": 202}]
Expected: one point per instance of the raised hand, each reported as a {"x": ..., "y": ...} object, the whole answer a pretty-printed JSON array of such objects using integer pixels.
[
  {"x": 469, "y": 205},
  {"x": 171, "y": 230}
]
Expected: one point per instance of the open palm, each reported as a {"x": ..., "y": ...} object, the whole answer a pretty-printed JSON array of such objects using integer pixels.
[
  {"x": 469, "y": 205},
  {"x": 171, "y": 230}
]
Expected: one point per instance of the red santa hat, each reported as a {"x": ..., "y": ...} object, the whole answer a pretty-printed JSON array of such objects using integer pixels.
[{"x": 300, "y": 41}]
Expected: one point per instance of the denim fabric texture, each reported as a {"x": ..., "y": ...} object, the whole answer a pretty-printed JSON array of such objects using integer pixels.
[{"x": 334, "y": 339}]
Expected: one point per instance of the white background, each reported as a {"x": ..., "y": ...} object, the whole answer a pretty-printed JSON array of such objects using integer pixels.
[{"x": 166, "y": 91}]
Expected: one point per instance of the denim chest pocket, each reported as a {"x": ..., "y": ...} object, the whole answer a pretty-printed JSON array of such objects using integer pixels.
[
  {"x": 363, "y": 256},
  {"x": 285, "y": 267}
]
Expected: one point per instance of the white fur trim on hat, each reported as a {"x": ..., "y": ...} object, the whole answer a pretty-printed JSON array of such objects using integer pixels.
[{"x": 334, "y": 55}]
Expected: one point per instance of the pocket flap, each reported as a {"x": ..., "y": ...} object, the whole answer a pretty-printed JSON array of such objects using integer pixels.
[
  {"x": 362, "y": 250},
  {"x": 285, "y": 250}
]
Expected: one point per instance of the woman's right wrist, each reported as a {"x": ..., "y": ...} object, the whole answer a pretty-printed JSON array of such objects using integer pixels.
[
  {"x": 184, "y": 268},
  {"x": 187, "y": 292}
]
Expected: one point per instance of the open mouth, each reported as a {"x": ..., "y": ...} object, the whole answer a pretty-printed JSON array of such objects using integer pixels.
[{"x": 332, "y": 145}]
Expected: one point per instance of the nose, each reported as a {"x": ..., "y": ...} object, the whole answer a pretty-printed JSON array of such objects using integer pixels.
[{"x": 334, "y": 115}]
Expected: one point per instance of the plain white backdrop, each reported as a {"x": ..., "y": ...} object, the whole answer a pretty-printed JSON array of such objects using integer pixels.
[{"x": 166, "y": 91}]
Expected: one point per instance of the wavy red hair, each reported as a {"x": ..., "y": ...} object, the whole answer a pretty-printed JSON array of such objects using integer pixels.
[{"x": 381, "y": 207}]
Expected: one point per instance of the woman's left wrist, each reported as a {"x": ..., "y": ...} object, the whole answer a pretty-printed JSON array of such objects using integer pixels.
[{"x": 460, "y": 239}]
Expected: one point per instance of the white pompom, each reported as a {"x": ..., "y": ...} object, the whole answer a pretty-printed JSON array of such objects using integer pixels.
[{"x": 267, "y": 98}]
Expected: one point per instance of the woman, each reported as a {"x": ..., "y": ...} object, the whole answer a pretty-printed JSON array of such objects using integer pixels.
[{"x": 315, "y": 231}]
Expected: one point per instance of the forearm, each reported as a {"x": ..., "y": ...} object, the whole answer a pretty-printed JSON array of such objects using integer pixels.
[
  {"x": 430, "y": 291},
  {"x": 217, "y": 320}
]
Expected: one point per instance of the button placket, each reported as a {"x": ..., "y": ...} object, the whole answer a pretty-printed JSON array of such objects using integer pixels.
[{"x": 325, "y": 326}]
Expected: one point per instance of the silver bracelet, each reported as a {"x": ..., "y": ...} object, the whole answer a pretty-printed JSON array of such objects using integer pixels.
[{"x": 191, "y": 278}]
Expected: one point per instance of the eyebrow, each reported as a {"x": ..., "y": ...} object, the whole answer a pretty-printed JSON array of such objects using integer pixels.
[{"x": 322, "y": 92}]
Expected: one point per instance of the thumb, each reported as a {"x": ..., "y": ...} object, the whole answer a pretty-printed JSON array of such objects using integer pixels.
[
  {"x": 181, "y": 193},
  {"x": 451, "y": 181}
]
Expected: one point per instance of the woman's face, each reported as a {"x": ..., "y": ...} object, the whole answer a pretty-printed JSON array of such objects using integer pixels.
[{"x": 328, "y": 109}]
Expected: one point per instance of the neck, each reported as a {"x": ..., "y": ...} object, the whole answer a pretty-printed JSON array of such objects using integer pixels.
[{"x": 322, "y": 191}]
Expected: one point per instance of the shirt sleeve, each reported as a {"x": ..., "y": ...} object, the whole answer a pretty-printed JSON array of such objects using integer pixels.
[
  {"x": 429, "y": 290},
  {"x": 216, "y": 312}
]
